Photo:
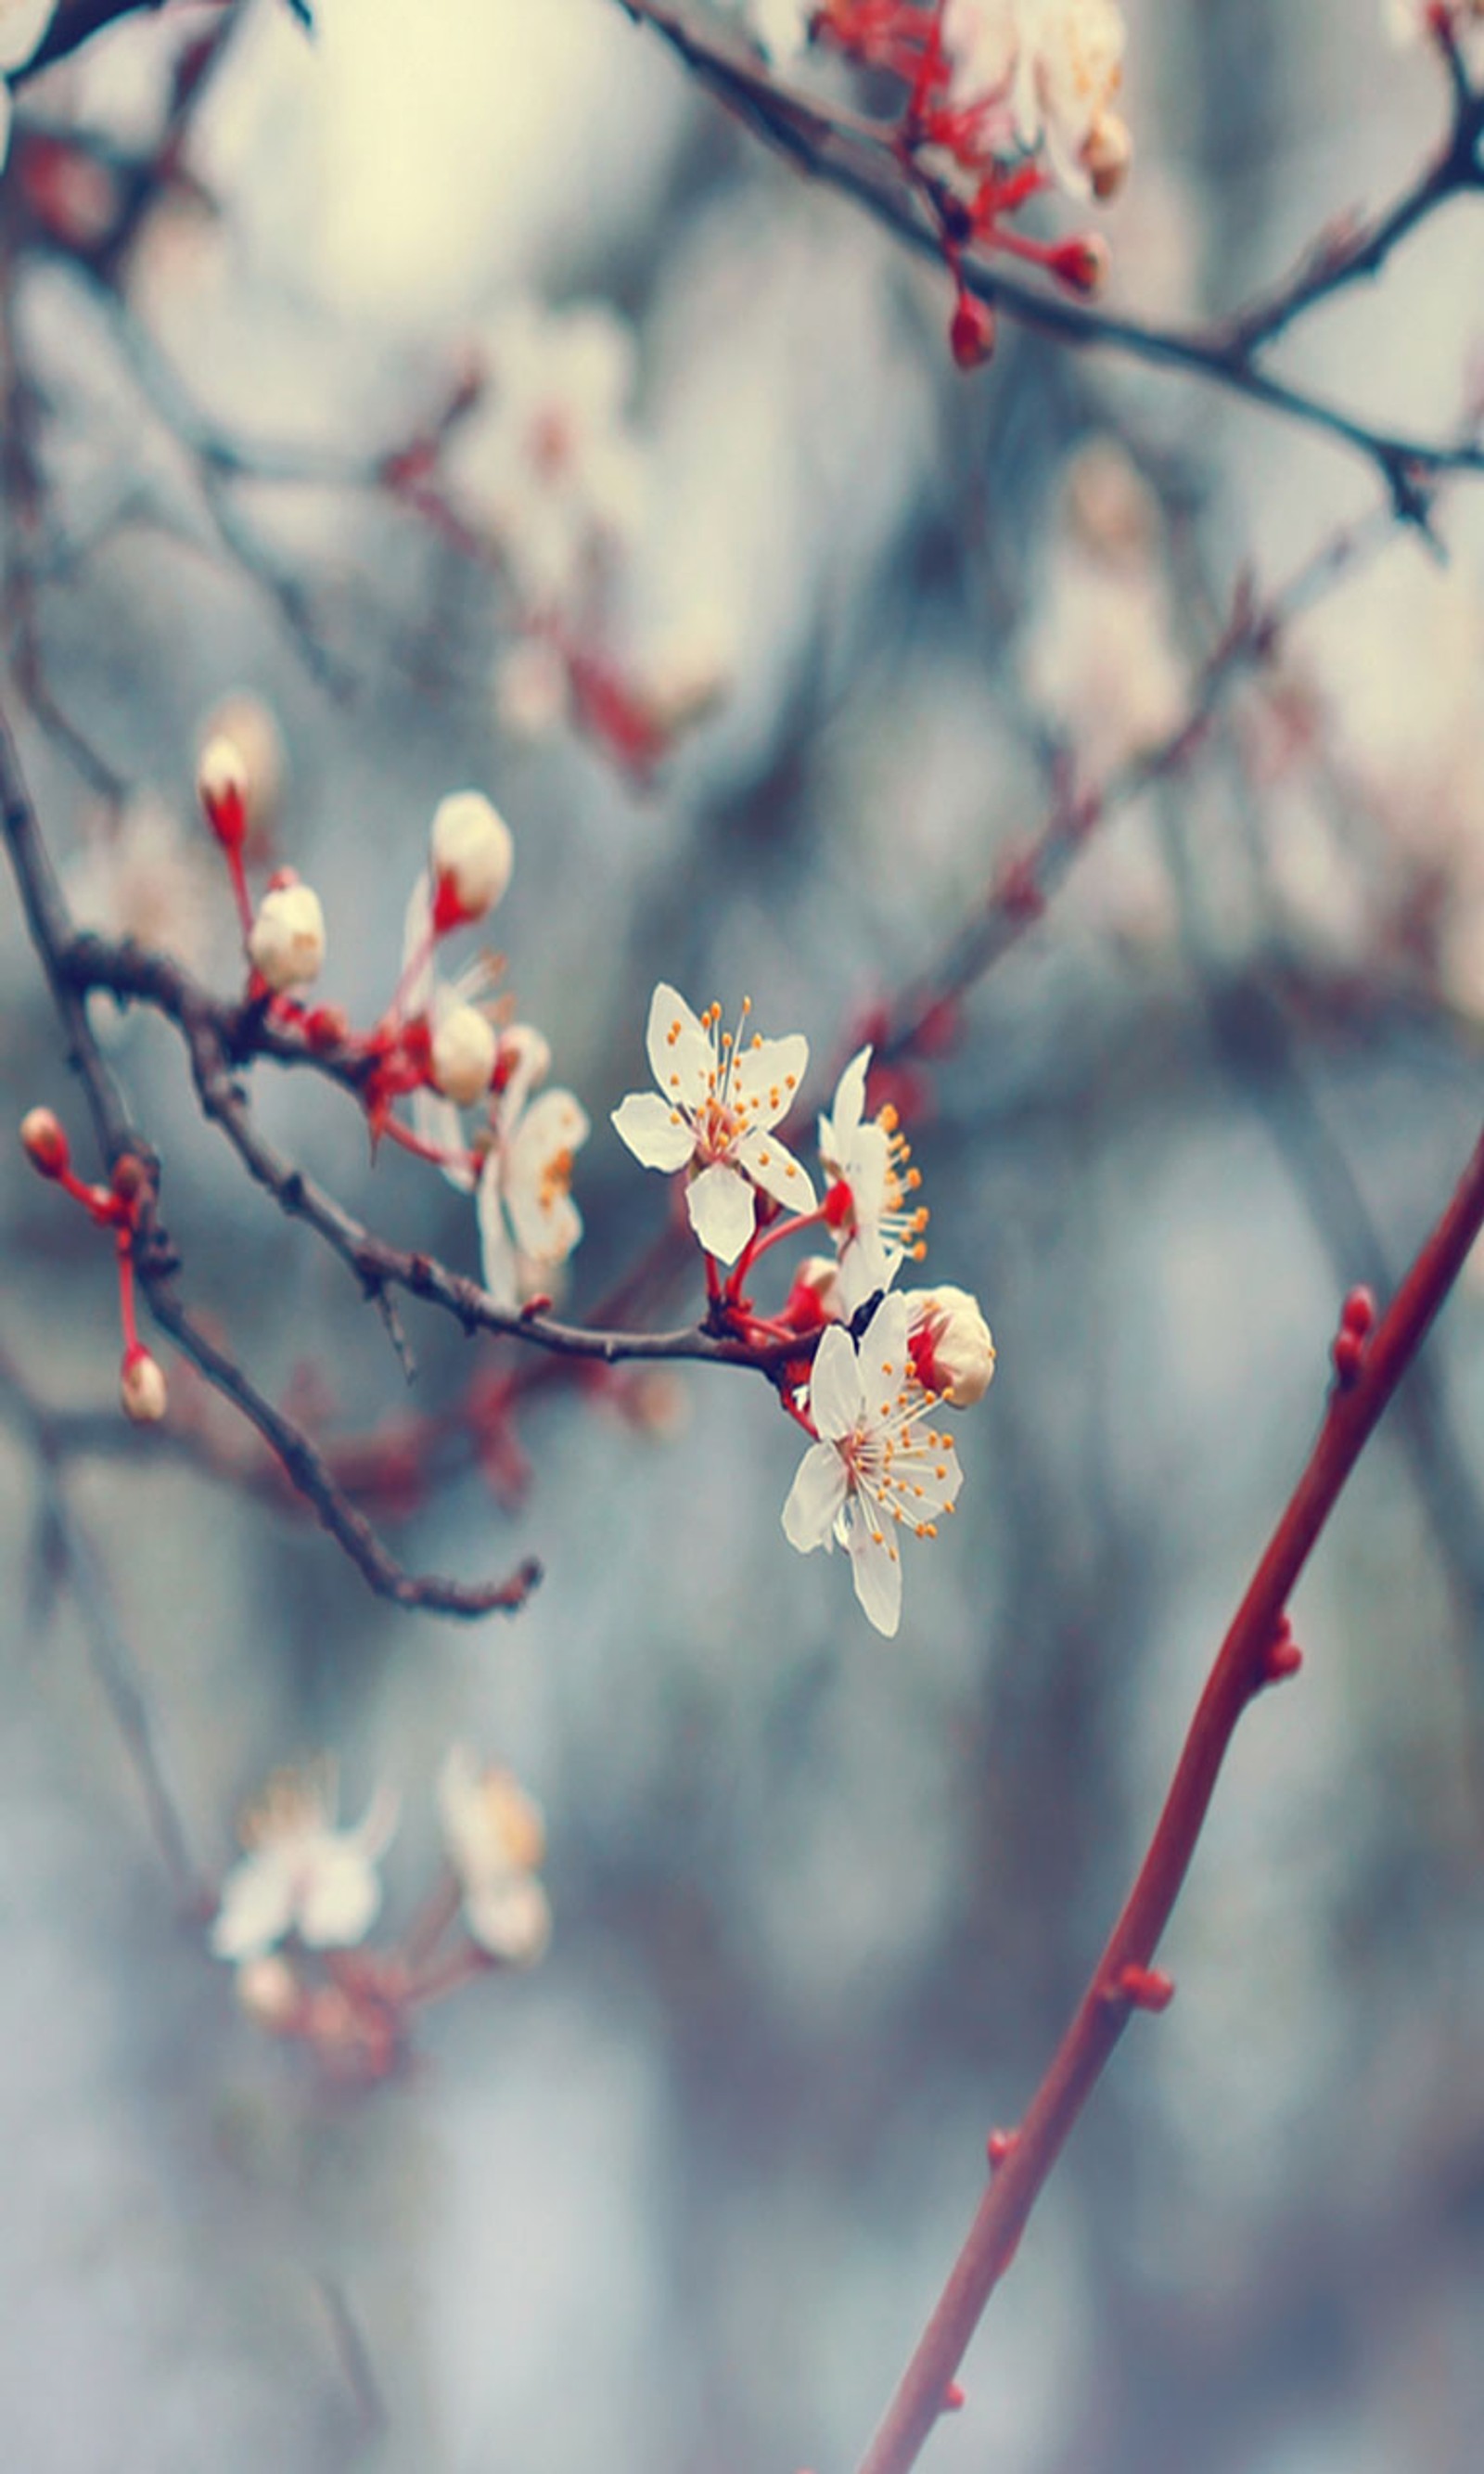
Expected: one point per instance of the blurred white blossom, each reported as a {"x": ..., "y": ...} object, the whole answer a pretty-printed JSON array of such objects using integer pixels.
[
  {"x": 301, "y": 1874},
  {"x": 495, "y": 1838}
]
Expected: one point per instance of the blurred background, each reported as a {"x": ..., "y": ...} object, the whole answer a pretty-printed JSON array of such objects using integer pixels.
[{"x": 682, "y": 2197}]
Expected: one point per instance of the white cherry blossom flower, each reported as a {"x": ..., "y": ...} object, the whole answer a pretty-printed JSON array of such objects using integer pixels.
[
  {"x": 550, "y": 461},
  {"x": 1059, "y": 64},
  {"x": 301, "y": 1874},
  {"x": 720, "y": 1097},
  {"x": 880, "y": 1470},
  {"x": 529, "y": 1223},
  {"x": 23, "y": 27},
  {"x": 882, "y": 1224},
  {"x": 495, "y": 1838}
]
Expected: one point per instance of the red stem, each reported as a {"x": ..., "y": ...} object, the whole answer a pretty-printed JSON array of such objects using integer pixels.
[
  {"x": 1244, "y": 1664},
  {"x": 239, "y": 887},
  {"x": 126, "y": 1293}
]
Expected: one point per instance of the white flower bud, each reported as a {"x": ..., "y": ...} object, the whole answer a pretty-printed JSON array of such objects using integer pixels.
[
  {"x": 950, "y": 1343},
  {"x": 287, "y": 942},
  {"x": 222, "y": 788},
  {"x": 463, "y": 1055},
  {"x": 243, "y": 722},
  {"x": 141, "y": 1389},
  {"x": 473, "y": 855}
]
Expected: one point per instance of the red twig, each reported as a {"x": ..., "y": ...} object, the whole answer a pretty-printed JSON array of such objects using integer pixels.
[{"x": 1258, "y": 1651}]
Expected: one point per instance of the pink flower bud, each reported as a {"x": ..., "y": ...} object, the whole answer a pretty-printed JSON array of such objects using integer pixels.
[
  {"x": 462, "y": 1058},
  {"x": 473, "y": 855},
  {"x": 287, "y": 942},
  {"x": 950, "y": 1343},
  {"x": 141, "y": 1388},
  {"x": 44, "y": 1143},
  {"x": 972, "y": 332}
]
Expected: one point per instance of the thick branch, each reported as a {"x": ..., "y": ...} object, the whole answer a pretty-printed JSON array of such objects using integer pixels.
[{"x": 1244, "y": 1664}]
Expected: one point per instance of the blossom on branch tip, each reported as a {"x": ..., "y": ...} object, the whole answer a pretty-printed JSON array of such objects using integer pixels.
[
  {"x": 876, "y": 1223},
  {"x": 461, "y": 1057},
  {"x": 495, "y": 1838},
  {"x": 1058, "y": 64},
  {"x": 301, "y": 1874},
  {"x": 879, "y": 1470},
  {"x": 719, "y": 1097},
  {"x": 141, "y": 1388},
  {"x": 950, "y": 1343},
  {"x": 286, "y": 946},
  {"x": 471, "y": 856},
  {"x": 529, "y": 1223}
]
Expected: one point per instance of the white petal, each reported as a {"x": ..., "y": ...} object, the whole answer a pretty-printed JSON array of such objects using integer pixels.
[
  {"x": 766, "y": 1076},
  {"x": 437, "y": 1122},
  {"x": 339, "y": 1897},
  {"x": 836, "y": 1398},
  {"x": 497, "y": 1253},
  {"x": 773, "y": 1167},
  {"x": 721, "y": 1205},
  {"x": 838, "y": 1129},
  {"x": 542, "y": 1213},
  {"x": 866, "y": 1165},
  {"x": 22, "y": 26},
  {"x": 257, "y": 1906},
  {"x": 655, "y": 1133},
  {"x": 815, "y": 1498},
  {"x": 883, "y": 1344},
  {"x": 865, "y": 1266},
  {"x": 510, "y": 1918},
  {"x": 876, "y": 1568},
  {"x": 682, "y": 1058}
]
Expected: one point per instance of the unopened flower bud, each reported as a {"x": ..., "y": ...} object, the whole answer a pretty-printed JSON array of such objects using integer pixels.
[
  {"x": 473, "y": 855},
  {"x": 1107, "y": 155},
  {"x": 972, "y": 332},
  {"x": 1082, "y": 263},
  {"x": 44, "y": 1143},
  {"x": 141, "y": 1388},
  {"x": 950, "y": 1343},
  {"x": 462, "y": 1060},
  {"x": 287, "y": 942},
  {"x": 222, "y": 788},
  {"x": 814, "y": 1296},
  {"x": 244, "y": 723}
]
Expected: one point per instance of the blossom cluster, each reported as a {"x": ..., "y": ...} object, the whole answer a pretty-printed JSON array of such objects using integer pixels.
[
  {"x": 293, "y": 1912},
  {"x": 863, "y": 1367},
  {"x": 1003, "y": 100},
  {"x": 536, "y": 464}
]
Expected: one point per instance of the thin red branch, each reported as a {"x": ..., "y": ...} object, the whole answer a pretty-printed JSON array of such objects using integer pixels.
[{"x": 1256, "y": 1651}]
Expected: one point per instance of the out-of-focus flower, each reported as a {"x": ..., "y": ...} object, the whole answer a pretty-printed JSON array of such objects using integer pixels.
[
  {"x": 301, "y": 1874},
  {"x": 532, "y": 689},
  {"x": 529, "y": 1223},
  {"x": 879, "y": 1470},
  {"x": 877, "y": 1225},
  {"x": 1100, "y": 657},
  {"x": 496, "y": 1839},
  {"x": 1059, "y": 62},
  {"x": 471, "y": 854},
  {"x": 720, "y": 1097},
  {"x": 950, "y": 1343},
  {"x": 141, "y": 876},
  {"x": 286, "y": 946},
  {"x": 550, "y": 460},
  {"x": 23, "y": 26}
]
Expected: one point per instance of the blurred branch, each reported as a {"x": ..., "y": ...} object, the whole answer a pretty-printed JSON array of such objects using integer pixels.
[
  {"x": 1258, "y": 1651},
  {"x": 862, "y": 158},
  {"x": 65, "y": 1551},
  {"x": 1028, "y": 878}
]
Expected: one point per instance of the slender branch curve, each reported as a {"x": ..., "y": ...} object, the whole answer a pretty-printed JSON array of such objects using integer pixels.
[
  {"x": 859, "y": 157},
  {"x": 1255, "y": 1652}
]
